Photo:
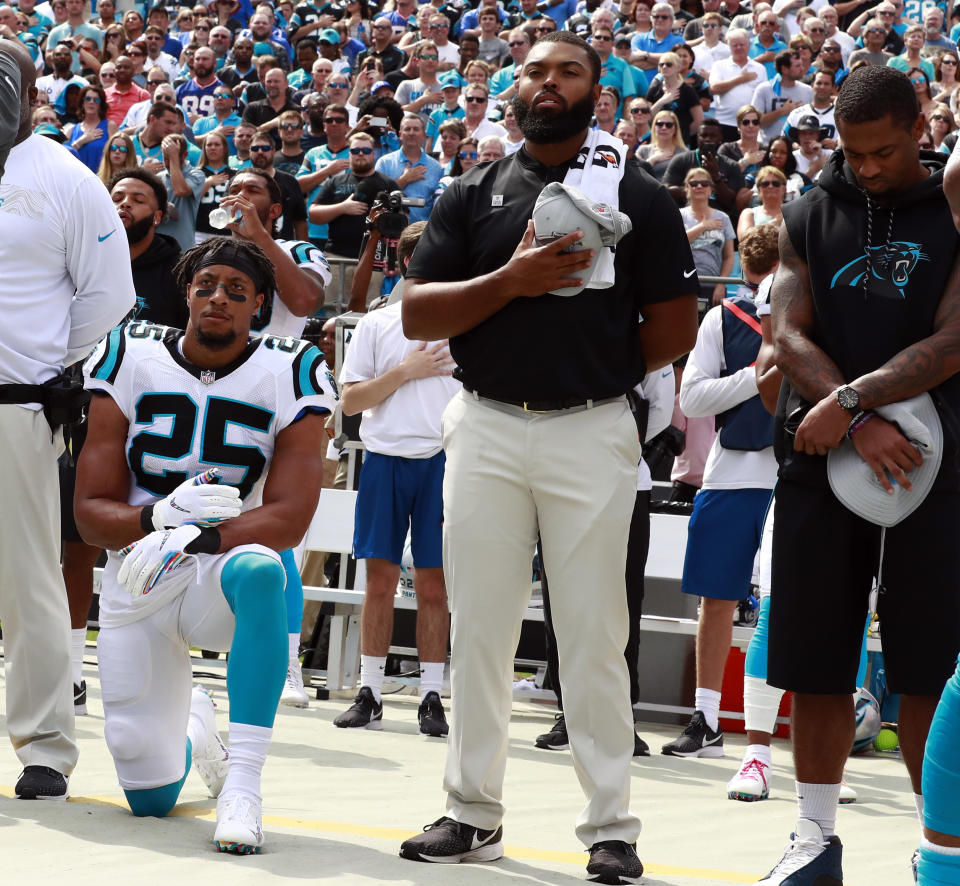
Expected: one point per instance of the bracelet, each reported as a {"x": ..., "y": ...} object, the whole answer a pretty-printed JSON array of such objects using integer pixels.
[
  {"x": 146, "y": 519},
  {"x": 207, "y": 542},
  {"x": 858, "y": 421}
]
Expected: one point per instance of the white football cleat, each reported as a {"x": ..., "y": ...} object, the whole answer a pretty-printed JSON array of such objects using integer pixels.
[
  {"x": 293, "y": 693},
  {"x": 752, "y": 781},
  {"x": 210, "y": 757},
  {"x": 239, "y": 827}
]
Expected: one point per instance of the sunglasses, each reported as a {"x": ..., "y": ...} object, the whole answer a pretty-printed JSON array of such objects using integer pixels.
[
  {"x": 665, "y": 65},
  {"x": 382, "y": 28},
  {"x": 948, "y": 61},
  {"x": 334, "y": 119},
  {"x": 266, "y": 148},
  {"x": 699, "y": 183},
  {"x": 201, "y": 28},
  {"x": 754, "y": 121},
  {"x": 440, "y": 27},
  {"x": 337, "y": 85},
  {"x": 770, "y": 184},
  {"x": 478, "y": 99},
  {"x": 290, "y": 126},
  {"x": 876, "y": 31},
  {"x": 216, "y": 94},
  {"x": 429, "y": 58},
  {"x": 710, "y": 25},
  {"x": 816, "y": 30},
  {"x": 107, "y": 75},
  {"x": 361, "y": 150},
  {"x": 121, "y": 149},
  {"x": 665, "y": 17},
  {"x": 664, "y": 124},
  {"x": 468, "y": 155},
  {"x": 518, "y": 43},
  {"x": 830, "y": 49},
  {"x": 917, "y": 81},
  {"x": 640, "y": 110},
  {"x": 603, "y": 38}
]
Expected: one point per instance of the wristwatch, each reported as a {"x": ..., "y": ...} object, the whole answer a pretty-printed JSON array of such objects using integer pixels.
[{"x": 848, "y": 399}]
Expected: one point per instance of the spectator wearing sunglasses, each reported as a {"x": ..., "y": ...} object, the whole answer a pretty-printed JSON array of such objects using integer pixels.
[
  {"x": 324, "y": 161},
  {"x": 475, "y": 101},
  {"x": 614, "y": 71},
  {"x": 647, "y": 48},
  {"x": 501, "y": 83},
  {"x": 466, "y": 157},
  {"x": 423, "y": 95},
  {"x": 874, "y": 38},
  {"x": 668, "y": 91},
  {"x": 665, "y": 142},
  {"x": 224, "y": 118},
  {"x": 640, "y": 113},
  {"x": 291, "y": 155},
  {"x": 90, "y": 133}
]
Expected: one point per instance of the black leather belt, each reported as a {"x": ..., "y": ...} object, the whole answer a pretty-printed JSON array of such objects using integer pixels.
[{"x": 542, "y": 405}]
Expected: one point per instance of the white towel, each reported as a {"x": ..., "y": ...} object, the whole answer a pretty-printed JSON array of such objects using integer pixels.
[{"x": 597, "y": 172}]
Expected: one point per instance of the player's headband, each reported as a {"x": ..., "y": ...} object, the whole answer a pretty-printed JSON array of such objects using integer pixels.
[{"x": 236, "y": 258}]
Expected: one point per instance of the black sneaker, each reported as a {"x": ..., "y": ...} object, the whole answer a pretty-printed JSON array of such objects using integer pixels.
[
  {"x": 613, "y": 861},
  {"x": 556, "y": 739},
  {"x": 697, "y": 740},
  {"x": 640, "y": 747},
  {"x": 366, "y": 712},
  {"x": 80, "y": 698},
  {"x": 450, "y": 841},
  {"x": 430, "y": 715},
  {"x": 41, "y": 783}
]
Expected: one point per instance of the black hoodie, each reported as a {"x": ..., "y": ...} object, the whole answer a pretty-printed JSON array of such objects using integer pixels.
[
  {"x": 159, "y": 299},
  {"x": 877, "y": 273}
]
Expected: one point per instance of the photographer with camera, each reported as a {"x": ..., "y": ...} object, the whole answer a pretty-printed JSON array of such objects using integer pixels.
[
  {"x": 417, "y": 173},
  {"x": 344, "y": 202}
]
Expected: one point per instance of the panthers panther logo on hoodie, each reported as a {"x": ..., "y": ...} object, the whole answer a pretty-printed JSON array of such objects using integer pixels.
[{"x": 889, "y": 267}]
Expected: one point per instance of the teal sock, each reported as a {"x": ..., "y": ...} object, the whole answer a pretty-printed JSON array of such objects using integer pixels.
[
  {"x": 292, "y": 593},
  {"x": 862, "y": 670},
  {"x": 941, "y": 764},
  {"x": 937, "y": 868},
  {"x": 253, "y": 586},
  {"x": 157, "y": 802},
  {"x": 755, "y": 663}
]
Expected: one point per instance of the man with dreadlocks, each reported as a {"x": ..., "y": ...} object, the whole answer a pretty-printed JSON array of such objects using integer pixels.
[
  {"x": 193, "y": 550},
  {"x": 866, "y": 316}
]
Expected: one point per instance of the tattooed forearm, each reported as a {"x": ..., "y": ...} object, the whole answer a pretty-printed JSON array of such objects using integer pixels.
[{"x": 808, "y": 369}]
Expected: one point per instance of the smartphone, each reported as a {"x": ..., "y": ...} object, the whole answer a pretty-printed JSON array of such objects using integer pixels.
[
  {"x": 382, "y": 122},
  {"x": 708, "y": 150}
]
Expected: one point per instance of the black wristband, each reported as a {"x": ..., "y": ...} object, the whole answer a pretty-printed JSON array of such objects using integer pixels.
[
  {"x": 146, "y": 519},
  {"x": 207, "y": 542}
]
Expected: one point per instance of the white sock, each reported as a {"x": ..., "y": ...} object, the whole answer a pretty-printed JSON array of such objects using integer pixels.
[
  {"x": 818, "y": 803},
  {"x": 760, "y": 752},
  {"x": 196, "y": 730},
  {"x": 78, "y": 642},
  {"x": 371, "y": 672},
  {"x": 294, "y": 644},
  {"x": 761, "y": 701},
  {"x": 248, "y": 747},
  {"x": 918, "y": 802},
  {"x": 936, "y": 847},
  {"x": 708, "y": 703},
  {"x": 431, "y": 677}
]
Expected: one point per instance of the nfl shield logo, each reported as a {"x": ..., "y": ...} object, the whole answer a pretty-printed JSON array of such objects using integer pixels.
[{"x": 208, "y": 376}]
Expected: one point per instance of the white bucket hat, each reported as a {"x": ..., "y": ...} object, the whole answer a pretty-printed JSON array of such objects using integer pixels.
[
  {"x": 856, "y": 486},
  {"x": 561, "y": 209}
]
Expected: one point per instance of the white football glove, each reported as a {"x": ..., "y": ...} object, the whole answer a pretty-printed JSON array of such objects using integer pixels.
[
  {"x": 201, "y": 500},
  {"x": 155, "y": 555}
]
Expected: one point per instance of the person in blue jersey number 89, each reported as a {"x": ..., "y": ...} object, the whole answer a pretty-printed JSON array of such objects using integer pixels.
[{"x": 192, "y": 561}]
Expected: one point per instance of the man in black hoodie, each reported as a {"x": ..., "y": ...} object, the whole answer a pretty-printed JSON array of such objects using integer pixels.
[
  {"x": 141, "y": 201},
  {"x": 866, "y": 312}
]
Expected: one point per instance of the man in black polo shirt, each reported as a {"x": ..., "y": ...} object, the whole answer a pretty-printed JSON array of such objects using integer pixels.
[
  {"x": 382, "y": 49},
  {"x": 515, "y": 439}
]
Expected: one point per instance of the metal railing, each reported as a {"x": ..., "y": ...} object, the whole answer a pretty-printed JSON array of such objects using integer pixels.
[{"x": 339, "y": 267}]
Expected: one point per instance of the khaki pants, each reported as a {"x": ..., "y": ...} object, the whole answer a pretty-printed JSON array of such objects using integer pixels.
[
  {"x": 572, "y": 477},
  {"x": 33, "y": 598}
]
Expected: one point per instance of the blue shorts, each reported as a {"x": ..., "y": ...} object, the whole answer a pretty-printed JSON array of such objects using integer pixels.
[
  {"x": 396, "y": 495},
  {"x": 722, "y": 539}
]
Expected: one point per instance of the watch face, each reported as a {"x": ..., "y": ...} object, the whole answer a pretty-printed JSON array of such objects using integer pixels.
[{"x": 848, "y": 398}]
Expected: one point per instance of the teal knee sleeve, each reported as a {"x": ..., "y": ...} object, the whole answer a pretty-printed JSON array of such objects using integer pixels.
[
  {"x": 293, "y": 593},
  {"x": 253, "y": 586},
  {"x": 157, "y": 802},
  {"x": 937, "y": 869},
  {"x": 755, "y": 664},
  {"x": 862, "y": 670},
  {"x": 941, "y": 764}
]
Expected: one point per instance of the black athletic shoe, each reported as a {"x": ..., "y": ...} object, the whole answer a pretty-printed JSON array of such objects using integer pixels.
[
  {"x": 697, "y": 740},
  {"x": 365, "y": 712},
  {"x": 613, "y": 861},
  {"x": 41, "y": 783},
  {"x": 430, "y": 715},
  {"x": 448, "y": 841},
  {"x": 556, "y": 739},
  {"x": 640, "y": 747},
  {"x": 80, "y": 698}
]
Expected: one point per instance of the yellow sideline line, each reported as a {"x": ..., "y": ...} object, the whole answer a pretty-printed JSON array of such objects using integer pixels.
[{"x": 188, "y": 810}]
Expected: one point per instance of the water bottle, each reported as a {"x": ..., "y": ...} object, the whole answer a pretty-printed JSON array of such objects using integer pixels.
[{"x": 220, "y": 218}]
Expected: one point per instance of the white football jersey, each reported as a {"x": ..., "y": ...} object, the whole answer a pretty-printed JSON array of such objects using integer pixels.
[
  {"x": 184, "y": 419},
  {"x": 278, "y": 320}
]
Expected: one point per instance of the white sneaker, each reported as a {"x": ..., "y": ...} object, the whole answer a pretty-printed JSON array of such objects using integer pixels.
[
  {"x": 293, "y": 692},
  {"x": 210, "y": 757},
  {"x": 239, "y": 823},
  {"x": 752, "y": 782},
  {"x": 847, "y": 793},
  {"x": 809, "y": 860}
]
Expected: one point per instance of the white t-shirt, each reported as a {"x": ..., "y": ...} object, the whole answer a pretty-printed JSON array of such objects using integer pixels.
[
  {"x": 803, "y": 163},
  {"x": 66, "y": 276},
  {"x": 449, "y": 53},
  {"x": 765, "y": 100},
  {"x": 407, "y": 423},
  {"x": 306, "y": 257},
  {"x": 703, "y": 393},
  {"x": 52, "y": 85},
  {"x": 725, "y": 106},
  {"x": 704, "y": 57},
  {"x": 488, "y": 127}
]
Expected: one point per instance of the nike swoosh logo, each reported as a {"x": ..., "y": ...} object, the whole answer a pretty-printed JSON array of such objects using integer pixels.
[
  {"x": 104, "y": 237},
  {"x": 666, "y": 374},
  {"x": 713, "y": 740},
  {"x": 476, "y": 843},
  {"x": 688, "y": 274},
  {"x": 12, "y": 86}
]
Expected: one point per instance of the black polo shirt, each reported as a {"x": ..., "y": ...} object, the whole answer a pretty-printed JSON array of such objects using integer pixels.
[
  {"x": 260, "y": 112},
  {"x": 346, "y": 231},
  {"x": 553, "y": 347}
]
